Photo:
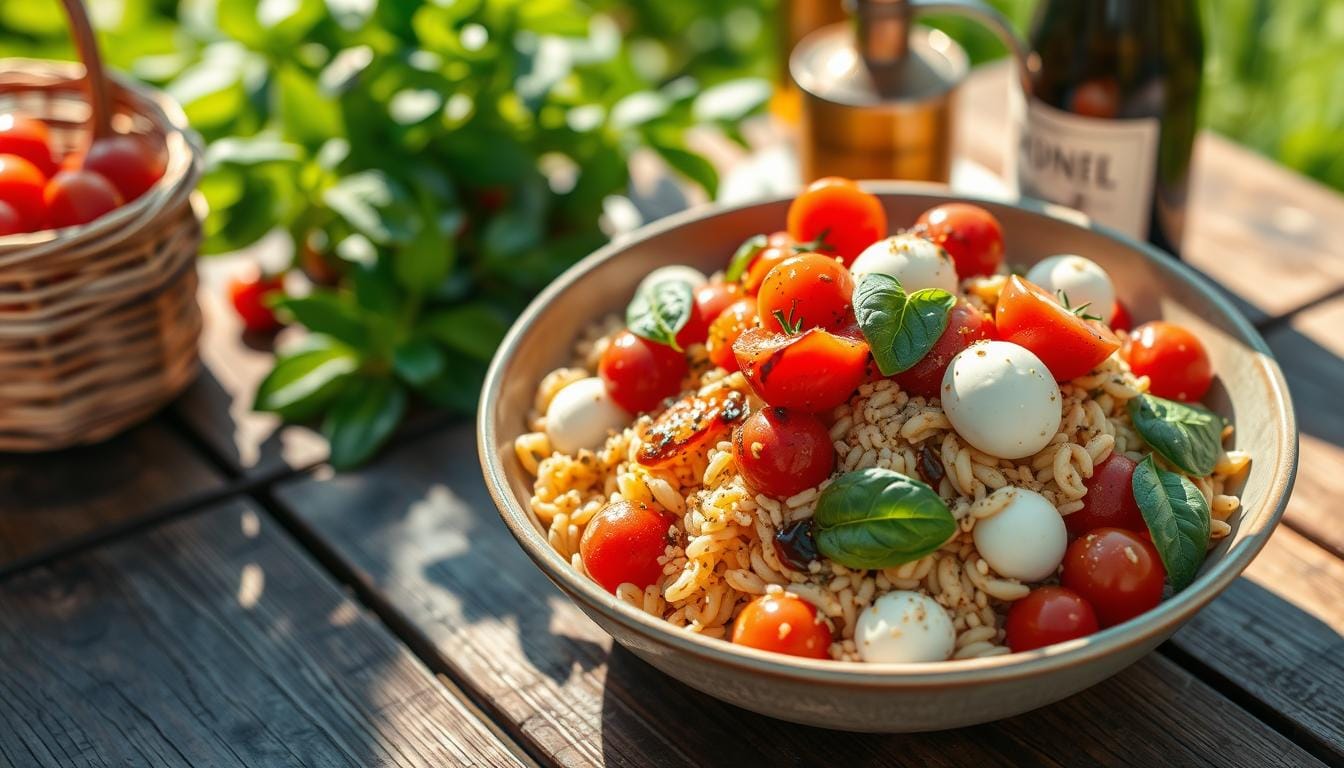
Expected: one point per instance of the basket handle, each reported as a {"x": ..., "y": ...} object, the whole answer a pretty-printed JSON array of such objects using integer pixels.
[{"x": 95, "y": 78}]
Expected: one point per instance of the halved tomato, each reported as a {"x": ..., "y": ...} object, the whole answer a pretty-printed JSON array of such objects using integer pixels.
[
  {"x": 1068, "y": 344},
  {"x": 813, "y": 371},
  {"x": 693, "y": 423}
]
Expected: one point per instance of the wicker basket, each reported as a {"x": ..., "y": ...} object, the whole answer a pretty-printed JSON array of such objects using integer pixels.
[{"x": 99, "y": 323}]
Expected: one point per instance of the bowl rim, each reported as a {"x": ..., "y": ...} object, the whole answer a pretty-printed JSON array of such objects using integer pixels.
[{"x": 1148, "y": 627}]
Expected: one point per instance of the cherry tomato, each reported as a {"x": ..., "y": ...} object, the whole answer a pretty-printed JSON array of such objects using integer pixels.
[
  {"x": 784, "y": 624},
  {"x": 622, "y": 544},
  {"x": 965, "y": 325},
  {"x": 21, "y": 185},
  {"x": 1115, "y": 570},
  {"x": 1069, "y": 345},
  {"x": 1047, "y": 616},
  {"x": 11, "y": 223},
  {"x": 813, "y": 371},
  {"x": 639, "y": 373},
  {"x": 1172, "y": 358},
  {"x": 806, "y": 291},
  {"x": 714, "y": 297},
  {"x": 696, "y": 329},
  {"x": 1109, "y": 502},
  {"x": 782, "y": 452},
  {"x": 969, "y": 233},
  {"x": 731, "y": 322},
  {"x": 132, "y": 164},
  {"x": 1120, "y": 321},
  {"x": 28, "y": 138},
  {"x": 762, "y": 264},
  {"x": 690, "y": 425},
  {"x": 78, "y": 197},
  {"x": 840, "y": 215},
  {"x": 248, "y": 295}
]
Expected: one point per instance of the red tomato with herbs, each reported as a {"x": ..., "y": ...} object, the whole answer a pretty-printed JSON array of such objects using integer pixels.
[
  {"x": 622, "y": 544},
  {"x": 696, "y": 329},
  {"x": 131, "y": 163},
  {"x": 806, "y": 291},
  {"x": 1109, "y": 502},
  {"x": 690, "y": 425},
  {"x": 965, "y": 326},
  {"x": 1047, "y": 616},
  {"x": 248, "y": 296},
  {"x": 28, "y": 138},
  {"x": 21, "y": 185},
  {"x": 782, "y": 452},
  {"x": 839, "y": 216},
  {"x": 1173, "y": 359},
  {"x": 970, "y": 235},
  {"x": 1117, "y": 571},
  {"x": 639, "y": 373},
  {"x": 783, "y": 624},
  {"x": 813, "y": 371},
  {"x": 10, "y": 221},
  {"x": 1120, "y": 321},
  {"x": 714, "y": 297},
  {"x": 760, "y": 266},
  {"x": 731, "y": 323},
  {"x": 78, "y": 197},
  {"x": 1069, "y": 345}
]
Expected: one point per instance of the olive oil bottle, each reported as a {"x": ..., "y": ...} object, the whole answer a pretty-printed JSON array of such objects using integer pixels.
[{"x": 1111, "y": 121}]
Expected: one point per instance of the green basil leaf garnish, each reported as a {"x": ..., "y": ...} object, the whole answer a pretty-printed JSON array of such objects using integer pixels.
[
  {"x": 901, "y": 328},
  {"x": 660, "y": 310},
  {"x": 748, "y": 250},
  {"x": 1177, "y": 516},
  {"x": 877, "y": 518},
  {"x": 1189, "y": 437}
]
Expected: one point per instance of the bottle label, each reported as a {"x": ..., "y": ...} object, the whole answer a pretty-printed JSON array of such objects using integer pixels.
[{"x": 1104, "y": 168}]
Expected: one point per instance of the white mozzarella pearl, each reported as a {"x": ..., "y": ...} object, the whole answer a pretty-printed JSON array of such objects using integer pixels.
[
  {"x": 1082, "y": 280},
  {"x": 904, "y": 627},
  {"x": 914, "y": 261},
  {"x": 582, "y": 415},
  {"x": 1025, "y": 540},
  {"x": 674, "y": 272},
  {"x": 1001, "y": 399}
]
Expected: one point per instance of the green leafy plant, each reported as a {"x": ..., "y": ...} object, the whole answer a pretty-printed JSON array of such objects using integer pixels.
[
  {"x": 877, "y": 518},
  {"x": 900, "y": 327},
  {"x": 1177, "y": 517}
]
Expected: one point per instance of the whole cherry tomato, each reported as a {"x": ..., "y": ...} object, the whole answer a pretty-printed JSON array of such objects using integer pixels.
[
  {"x": 714, "y": 297},
  {"x": 806, "y": 291},
  {"x": 1115, "y": 570},
  {"x": 965, "y": 325},
  {"x": 131, "y": 163},
  {"x": 622, "y": 544},
  {"x": 1109, "y": 502},
  {"x": 1120, "y": 321},
  {"x": 970, "y": 234},
  {"x": 690, "y": 426},
  {"x": 639, "y": 373},
  {"x": 1047, "y": 616},
  {"x": 10, "y": 221},
  {"x": 1069, "y": 345},
  {"x": 814, "y": 371},
  {"x": 1173, "y": 359},
  {"x": 696, "y": 329},
  {"x": 21, "y": 185},
  {"x": 28, "y": 138},
  {"x": 248, "y": 296},
  {"x": 841, "y": 218},
  {"x": 731, "y": 323},
  {"x": 78, "y": 197},
  {"x": 782, "y": 452},
  {"x": 784, "y": 624},
  {"x": 762, "y": 264}
]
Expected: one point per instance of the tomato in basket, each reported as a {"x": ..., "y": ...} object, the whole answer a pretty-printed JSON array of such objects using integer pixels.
[
  {"x": 28, "y": 138},
  {"x": 21, "y": 185},
  {"x": 78, "y": 197}
]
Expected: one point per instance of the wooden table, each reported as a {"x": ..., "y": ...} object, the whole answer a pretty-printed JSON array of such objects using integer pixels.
[{"x": 204, "y": 591}]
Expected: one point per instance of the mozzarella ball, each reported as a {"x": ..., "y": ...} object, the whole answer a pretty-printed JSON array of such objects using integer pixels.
[
  {"x": 582, "y": 415},
  {"x": 674, "y": 272},
  {"x": 904, "y": 627},
  {"x": 1001, "y": 399},
  {"x": 914, "y": 261},
  {"x": 1082, "y": 280},
  {"x": 1025, "y": 540}
]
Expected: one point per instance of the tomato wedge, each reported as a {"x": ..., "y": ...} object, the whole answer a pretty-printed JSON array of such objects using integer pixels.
[
  {"x": 691, "y": 424},
  {"x": 1069, "y": 345},
  {"x": 812, "y": 371}
]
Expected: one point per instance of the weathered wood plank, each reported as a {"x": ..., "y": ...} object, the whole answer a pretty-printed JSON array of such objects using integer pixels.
[
  {"x": 420, "y": 529},
  {"x": 48, "y": 500},
  {"x": 213, "y": 641}
]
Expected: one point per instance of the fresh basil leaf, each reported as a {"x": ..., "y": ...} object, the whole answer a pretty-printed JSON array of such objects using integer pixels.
[
  {"x": 743, "y": 256},
  {"x": 362, "y": 419},
  {"x": 1190, "y": 437},
  {"x": 330, "y": 313},
  {"x": 418, "y": 361},
  {"x": 301, "y": 384},
  {"x": 661, "y": 310},
  {"x": 877, "y": 518},
  {"x": 1178, "y": 519},
  {"x": 901, "y": 328}
]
